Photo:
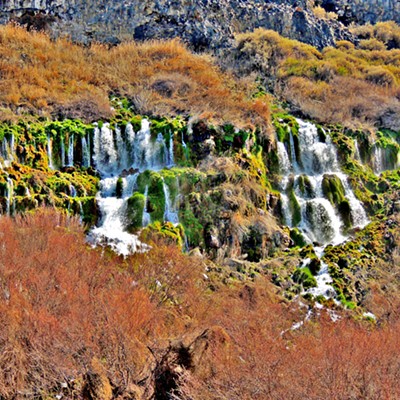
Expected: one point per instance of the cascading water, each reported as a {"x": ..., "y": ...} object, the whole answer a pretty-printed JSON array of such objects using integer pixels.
[
  {"x": 7, "y": 152},
  {"x": 120, "y": 157},
  {"x": 384, "y": 158},
  {"x": 72, "y": 191},
  {"x": 146, "y": 216},
  {"x": 112, "y": 226},
  {"x": 171, "y": 212},
  {"x": 50, "y": 152},
  {"x": 62, "y": 146},
  {"x": 10, "y": 195},
  {"x": 85, "y": 151},
  {"x": 304, "y": 205},
  {"x": 71, "y": 151}
]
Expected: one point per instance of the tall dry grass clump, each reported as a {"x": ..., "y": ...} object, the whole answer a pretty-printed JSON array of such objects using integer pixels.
[
  {"x": 347, "y": 85},
  {"x": 160, "y": 77}
]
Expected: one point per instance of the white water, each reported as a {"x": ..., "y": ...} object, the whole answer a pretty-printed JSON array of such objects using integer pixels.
[
  {"x": 10, "y": 195},
  {"x": 50, "y": 152},
  {"x": 112, "y": 225},
  {"x": 381, "y": 160},
  {"x": 85, "y": 152},
  {"x": 71, "y": 151},
  {"x": 357, "y": 155},
  {"x": 319, "y": 222},
  {"x": 378, "y": 159},
  {"x": 114, "y": 153},
  {"x": 6, "y": 152},
  {"x": 62, "y": 145},
  {"x": 171, "y": 212},
  {"x": 72, "y": 191}
]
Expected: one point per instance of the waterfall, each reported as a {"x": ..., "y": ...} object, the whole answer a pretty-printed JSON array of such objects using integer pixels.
[
  {"x": 49, "y": 152},
  {"x": 105, "y": 154},
  {"x": 357, "y": 155},
  {"x": 293, "y": 152},
  {"x": 62, "y": 144},
  {"x": 71, "y": 151},
  {"x": 284, "y": 162},
  {"x": 171, "y": 160},
  {"x": 378, "y": 161},
  {"x": 81, "y": 215},
  {"x": 116, "y": 156},
  {"x": 112, "y": 225},
  {"x": 10, "y": 195},
  {"x": 7, "y": 152},
  {"x": 170, "y": 213},
  {"x": 123, "y": 161},
  {"x": 72, "y": 191},
  {"x": 146, "y": 216},
  {"x": 303, "y": 201},
  {"x": 85, "y": 152},
  {"x": 163, "y": 149}
]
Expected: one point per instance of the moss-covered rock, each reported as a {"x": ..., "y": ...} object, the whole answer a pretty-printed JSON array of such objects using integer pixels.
[
  {"x": 304, "y": 277},
  {"x": 134, "y": 211}
]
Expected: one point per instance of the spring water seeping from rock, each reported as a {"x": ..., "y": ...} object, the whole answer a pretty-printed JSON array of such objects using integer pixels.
[
  {"x": 315, "y": 195},
  {"x": 71, "y": 151},
  {"x": 171, "y": 212},
  {"x": 85, "y": 151},
  {"x": 121, "y": 158},
  {"x": 7, "y": 152},
  {"x": 10, "y": 196}
]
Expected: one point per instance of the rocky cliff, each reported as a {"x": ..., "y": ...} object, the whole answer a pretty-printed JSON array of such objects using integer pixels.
[
  {"x": 205, "y": 24},
  {"x": 364, "y": 11}
]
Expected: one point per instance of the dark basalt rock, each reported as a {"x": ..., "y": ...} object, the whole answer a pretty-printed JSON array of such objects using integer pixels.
[{"x": 203, "y": 24}]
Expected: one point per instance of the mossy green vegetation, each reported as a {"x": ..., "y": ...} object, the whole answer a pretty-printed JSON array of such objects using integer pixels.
[
  {"x": 168, "y": 232},
  {"x": 134, "y": 211},
  {"x": 304, "y": 277}
]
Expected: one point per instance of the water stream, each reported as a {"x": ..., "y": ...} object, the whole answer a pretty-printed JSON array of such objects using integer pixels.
[
  {"x": 117, "y": 157},
  {"x": 304, "y": 205}
]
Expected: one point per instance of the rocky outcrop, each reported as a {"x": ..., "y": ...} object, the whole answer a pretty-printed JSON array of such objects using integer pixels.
[
  {"x": 204, "y": 24},
  {"x": 363, "y": 11}
]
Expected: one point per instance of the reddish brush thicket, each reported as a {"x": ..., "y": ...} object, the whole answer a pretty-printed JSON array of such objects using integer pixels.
[{"x": 63, "y": 305}]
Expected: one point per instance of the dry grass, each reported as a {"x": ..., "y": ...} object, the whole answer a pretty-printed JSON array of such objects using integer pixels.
[
  {"x": 321, "y": 13},
  {"x": 42, "y": 76},
  {"x": 355, "y": 87}
]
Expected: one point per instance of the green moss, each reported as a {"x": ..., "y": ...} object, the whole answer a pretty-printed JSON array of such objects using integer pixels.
[
  {"x": 192, "y": 226},
  {"x": 305, "y": 186},
  {"x": 304, "y": 277},
  {"x": 167, "y": 231},
  {"x": 297, "y": 237},
  {"x": 333, "y": 189},
  {"x": 295, "y": 208},
  {"x": 134, "y": 211},
  {"x": 156, "y": 199}
]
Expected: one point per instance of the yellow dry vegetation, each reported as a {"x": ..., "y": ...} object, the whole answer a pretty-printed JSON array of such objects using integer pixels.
[
  {"x": 41, "y": 76},
  {"x": 352, "y": 86}
]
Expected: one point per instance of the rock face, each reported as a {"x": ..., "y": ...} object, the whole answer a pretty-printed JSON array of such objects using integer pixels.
[
  {"x": 204, "y": 24},
  {"x": 363, "y": 11}
]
